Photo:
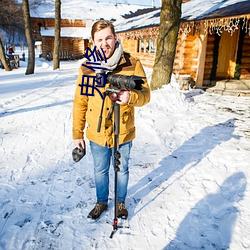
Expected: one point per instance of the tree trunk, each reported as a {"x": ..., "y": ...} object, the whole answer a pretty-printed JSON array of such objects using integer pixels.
[
  {"x": 3, "y": 57},
  {"x": 29, "y": 38},
  {"x": 168, "y": 34},
  {"x": 56, "y": 59}
]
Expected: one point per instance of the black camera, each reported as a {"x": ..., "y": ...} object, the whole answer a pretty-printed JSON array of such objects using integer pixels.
[
  {"x": 121, "y": 82},
  {"x": 125, "y": 82}
]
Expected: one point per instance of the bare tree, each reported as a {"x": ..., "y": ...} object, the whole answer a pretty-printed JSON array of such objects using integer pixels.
[
  {"x": 168, "y": 34},
  {"x": 56, "y": 59},
  {"x": 28, "y": 33},
  {"x": 11, "y": 16},
  {"x": 3, "y": 57},
  {"x": 11, "y": 24}
]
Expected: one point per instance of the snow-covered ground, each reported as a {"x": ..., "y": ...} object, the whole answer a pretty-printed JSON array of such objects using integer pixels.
[{"x": 189, "y": 170}]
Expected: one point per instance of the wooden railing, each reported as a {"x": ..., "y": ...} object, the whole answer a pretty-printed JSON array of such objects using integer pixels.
[{"x": 64, "y": 55}]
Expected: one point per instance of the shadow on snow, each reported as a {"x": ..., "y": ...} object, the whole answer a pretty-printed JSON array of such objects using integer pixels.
[
  {"x": 190, "y": 153},
  {"x": 214, "y": 220},
  {"x": 23, "y": 110},
  {"x": 210, "y": 223}
]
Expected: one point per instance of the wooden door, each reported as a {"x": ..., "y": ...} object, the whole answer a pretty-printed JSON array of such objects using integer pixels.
[{"x": 227, "y": 55}]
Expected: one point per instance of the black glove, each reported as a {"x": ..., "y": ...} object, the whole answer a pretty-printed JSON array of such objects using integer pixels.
[{"x": 78, "y": 153}]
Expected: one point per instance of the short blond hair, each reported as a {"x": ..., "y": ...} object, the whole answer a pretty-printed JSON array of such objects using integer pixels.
[{"x": 100, "y": 25}]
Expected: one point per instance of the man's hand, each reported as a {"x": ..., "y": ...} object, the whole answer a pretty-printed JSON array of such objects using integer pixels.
[
  {"x": 79, "y": 151},
  {"x": 79, "y": 143},
  {"x": 123, "y": 97}
]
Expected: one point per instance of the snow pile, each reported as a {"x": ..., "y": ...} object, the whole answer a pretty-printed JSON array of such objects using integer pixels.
[{"x": 169, "y": 99}]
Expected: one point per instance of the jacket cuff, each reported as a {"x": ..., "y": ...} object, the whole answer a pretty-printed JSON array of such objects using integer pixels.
[{"x": 77, "y": 135}]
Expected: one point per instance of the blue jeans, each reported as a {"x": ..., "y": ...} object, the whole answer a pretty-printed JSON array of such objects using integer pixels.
[{"x": 102, "y": 158}]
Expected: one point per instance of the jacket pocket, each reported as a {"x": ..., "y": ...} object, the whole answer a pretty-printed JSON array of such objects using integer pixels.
[{"x": 127, "y": 120}]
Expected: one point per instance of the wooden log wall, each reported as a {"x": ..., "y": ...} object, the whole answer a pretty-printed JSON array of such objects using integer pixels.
[
  {"x": 186, "y": 55},
  {"x": 66, "y": 44},
  {"x": 131, "y": 46},
  {"x": 50, "y": 22},
  {"x": 185, "y": 59},
  {"x": 79, "y": 46},
  {"x": 146, "y": 59},
  {"x": 178, "y": 61},
  {"x": 190, "y": 56},
  {"x": 47, "y": 45}
]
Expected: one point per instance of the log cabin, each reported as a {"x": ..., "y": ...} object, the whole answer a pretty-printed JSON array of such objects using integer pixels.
[
  {"x": 74, "y": 37},
  {"x": 213, "y": 41},
  {"x": 76, "y": 22}
]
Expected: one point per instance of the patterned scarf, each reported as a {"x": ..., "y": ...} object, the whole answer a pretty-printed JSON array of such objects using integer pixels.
[{"x": 113, "y": 61}]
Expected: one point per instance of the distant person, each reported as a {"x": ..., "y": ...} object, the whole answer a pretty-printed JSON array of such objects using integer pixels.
[
  {"x": 11, "y": 50},
  {"x": 86, "y": 110}
]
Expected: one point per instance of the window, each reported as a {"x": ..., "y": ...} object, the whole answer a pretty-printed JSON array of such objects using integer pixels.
[{"x": 146, "y": 45}]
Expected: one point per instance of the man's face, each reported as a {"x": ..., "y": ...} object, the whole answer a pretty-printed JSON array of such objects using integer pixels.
[{"x": 106, "y": 40}]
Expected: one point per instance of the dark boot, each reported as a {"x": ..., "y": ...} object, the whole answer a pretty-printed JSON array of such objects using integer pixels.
[
  {"x": 122, "y": 211},
  {"x": 97, "y": 210}
]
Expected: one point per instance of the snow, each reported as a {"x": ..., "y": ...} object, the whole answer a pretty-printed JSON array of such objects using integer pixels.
[
  {"x": 192, "y": 10},
  {"x": 145, "y": 20},
  {"x": 196, "y": 9},
  {"x": 84, "y": 33},
  {"x": 151, "y": 3},
  {"x": 87, "y": 10},
  {"x": 189, "y": 169}
]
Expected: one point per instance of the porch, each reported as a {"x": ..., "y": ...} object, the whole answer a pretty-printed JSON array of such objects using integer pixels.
[{"x": 231, "y": 87}]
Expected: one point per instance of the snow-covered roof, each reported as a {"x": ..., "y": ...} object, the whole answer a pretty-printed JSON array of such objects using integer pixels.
[
  {"x": 205, "y": 9},
  {"x": 139, "y": 21},
  {"x": 85, "y": 10},
  {"x": 191, "y": 11},
  {"x": 79, "y": 32}
]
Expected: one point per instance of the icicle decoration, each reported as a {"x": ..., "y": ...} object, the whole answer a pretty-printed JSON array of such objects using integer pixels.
[
  {"x": 206, "y": 27},
  {"x": 217, "y": 25},
  {"x": 246, "y": 25},
  {"x": 151, "y": 32}
]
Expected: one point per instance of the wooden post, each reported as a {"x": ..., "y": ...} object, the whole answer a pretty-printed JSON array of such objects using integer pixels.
[
  {"x": 201, "y": 60},
  {"x": 140, "y": 40},
  {"x": 149, "y": 45}
]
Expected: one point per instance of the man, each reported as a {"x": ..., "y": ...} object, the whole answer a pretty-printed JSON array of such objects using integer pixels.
[{"x": 87, "y": 109}]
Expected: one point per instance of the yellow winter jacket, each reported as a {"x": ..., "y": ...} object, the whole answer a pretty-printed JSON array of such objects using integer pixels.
[{"x": 86, "y": 109}]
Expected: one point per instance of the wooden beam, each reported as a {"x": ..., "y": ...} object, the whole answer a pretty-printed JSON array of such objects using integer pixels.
[{"x": 201, "y": 60}]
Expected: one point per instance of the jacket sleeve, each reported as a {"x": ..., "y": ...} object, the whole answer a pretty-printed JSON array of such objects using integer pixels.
[
  {"x": 80, "y": 106},
  {"x": 141, "y": 97}
]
